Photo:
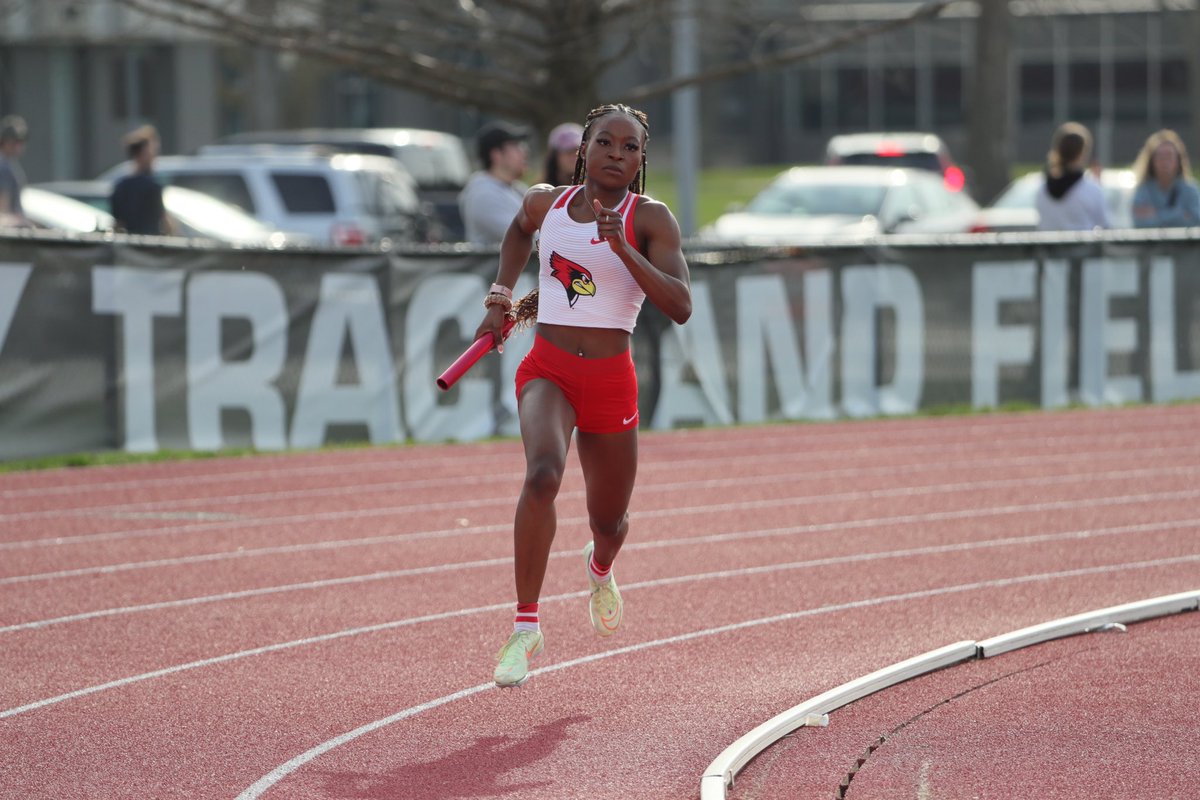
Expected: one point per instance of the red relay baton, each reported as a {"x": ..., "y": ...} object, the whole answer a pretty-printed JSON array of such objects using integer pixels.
[{"x": 472, "y": 354}]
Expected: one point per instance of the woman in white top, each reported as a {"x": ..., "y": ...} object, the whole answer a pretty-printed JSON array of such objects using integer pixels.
[
  {"x": 604, "y": 247},
  {"x": 1070, "y": 199}
]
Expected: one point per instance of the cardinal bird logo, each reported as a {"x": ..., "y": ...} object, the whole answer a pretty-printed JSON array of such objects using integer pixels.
[{"x": 574, "y": 278}]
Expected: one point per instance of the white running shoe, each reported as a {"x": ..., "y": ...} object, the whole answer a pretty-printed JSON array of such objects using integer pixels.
[
  {"x": 513, "y": 667},
  {"x": 605, "y": 606}
]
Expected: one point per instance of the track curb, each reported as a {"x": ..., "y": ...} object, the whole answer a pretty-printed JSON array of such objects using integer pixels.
[{"x": 814, "y": 712}]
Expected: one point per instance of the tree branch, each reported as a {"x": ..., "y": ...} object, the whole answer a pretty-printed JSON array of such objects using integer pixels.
[{"x": 789, "y": 56}]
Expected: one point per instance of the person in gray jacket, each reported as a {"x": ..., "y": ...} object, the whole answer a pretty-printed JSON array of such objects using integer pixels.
[
  {"x": 1165, "y": 197},
  {"x": 493, "y": 195}
]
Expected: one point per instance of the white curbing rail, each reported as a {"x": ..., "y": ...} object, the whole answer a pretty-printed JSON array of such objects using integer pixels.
[
  {"x": 721, "y": 771},
  {"x": 814, "y": 712},
  {"x": 1083, "y": 623}
]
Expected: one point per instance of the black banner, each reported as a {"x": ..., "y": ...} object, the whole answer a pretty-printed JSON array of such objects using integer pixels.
[{"x": 107, "y": 345}]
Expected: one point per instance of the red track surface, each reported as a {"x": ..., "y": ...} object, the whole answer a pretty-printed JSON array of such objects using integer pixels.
[{"x": 323, "y": 626}]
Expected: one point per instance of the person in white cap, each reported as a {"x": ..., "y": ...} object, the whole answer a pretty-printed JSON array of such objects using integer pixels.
[{"x": 562, "y": 151}]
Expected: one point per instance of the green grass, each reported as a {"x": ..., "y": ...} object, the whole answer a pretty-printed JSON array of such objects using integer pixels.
[
  {"x": 716, "y": 190},
  {"x": 114, "y": 457},
  {"x": 117, "y": 457}
]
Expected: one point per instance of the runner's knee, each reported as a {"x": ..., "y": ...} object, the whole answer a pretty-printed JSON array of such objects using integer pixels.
[
  {"x": 611, "y": 526},
  {"x": 542, "y": 479}
]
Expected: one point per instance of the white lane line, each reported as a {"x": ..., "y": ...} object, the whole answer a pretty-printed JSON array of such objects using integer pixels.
[
  {"x": 1087, "y": 503},
  {"x": 922, "y": 430},
  {"x": 820, "y": 470},
  {"x": 749, "y": 505},
  {"x": 644, "y": 489},
  {"x": 703, "y": 539},
  {"x": 168, "y": 515},
  {"x": 12, "y": 712},
  {"x": 263, "y": 784}
]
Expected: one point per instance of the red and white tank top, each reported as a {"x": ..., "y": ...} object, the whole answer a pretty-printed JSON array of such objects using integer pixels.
[{"x": 581, "y": 281}]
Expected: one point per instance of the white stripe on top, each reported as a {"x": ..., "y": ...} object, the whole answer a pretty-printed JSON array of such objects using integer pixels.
[{"x": 581, "y": 281}]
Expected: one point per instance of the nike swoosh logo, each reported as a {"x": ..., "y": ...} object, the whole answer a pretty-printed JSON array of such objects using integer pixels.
[
  {"x": 597, "y": 241},
  {"x": 630, "y": 419}
]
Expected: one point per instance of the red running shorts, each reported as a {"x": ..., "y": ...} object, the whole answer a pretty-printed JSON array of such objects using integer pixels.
[{"x": 603, "y": 391}]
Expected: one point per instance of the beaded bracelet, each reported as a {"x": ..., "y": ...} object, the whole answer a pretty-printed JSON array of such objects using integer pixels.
[
  {"x": 498, "y": 288},
  {"x": 497, "y": 299}
]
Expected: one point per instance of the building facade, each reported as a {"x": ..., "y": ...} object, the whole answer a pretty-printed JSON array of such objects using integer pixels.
[{"x": 84, "y": 73}]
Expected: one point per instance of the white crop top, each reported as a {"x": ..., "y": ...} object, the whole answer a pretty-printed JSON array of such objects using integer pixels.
[{"x": 581, "y": 281}]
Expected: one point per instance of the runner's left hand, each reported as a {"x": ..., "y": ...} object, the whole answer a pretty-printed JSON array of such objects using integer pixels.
[{"x": 609, "y": 226}]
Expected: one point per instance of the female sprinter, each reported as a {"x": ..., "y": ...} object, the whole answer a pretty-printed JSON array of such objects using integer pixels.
[{"x": 603, "y": 248}]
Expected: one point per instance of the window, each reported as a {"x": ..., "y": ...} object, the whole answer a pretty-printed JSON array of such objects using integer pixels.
[
  {"x": 899, "y": 97},
  {"x": 1037, "y": 92},
  {"x": 228, "y": 186},
  {"x": 304, "y": 193},
  {"x": 947, "y": 95},
  {"x": 140, "y": 69},
  {"x": 851, "y": 98},
  {"x": 1129, "y": 101},
  {"x": 1084, "y": 96},
  {"x": 1175, "y": 101},
  {"x": 810, "y": 99}
]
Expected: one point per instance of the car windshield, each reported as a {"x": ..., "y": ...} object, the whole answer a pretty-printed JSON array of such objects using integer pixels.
[
  {"x": 1020, "y": 194},
  {"x": 210, "y": 217},
  {"x": 50, "y": 210},
  {"x": 434, "y": 167},
  {"x": 818, "y": 199}
]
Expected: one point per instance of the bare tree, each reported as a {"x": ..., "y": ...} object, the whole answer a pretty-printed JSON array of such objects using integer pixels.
[{"x": 534, "y": 60}]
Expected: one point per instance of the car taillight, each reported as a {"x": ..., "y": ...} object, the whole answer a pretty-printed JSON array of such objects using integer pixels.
[
  {"x": 889, "y": 150},
  {"x": 978, "y": 227},
  {"x": 347, "y": 234},
  {"x": 954, "y": 179}
]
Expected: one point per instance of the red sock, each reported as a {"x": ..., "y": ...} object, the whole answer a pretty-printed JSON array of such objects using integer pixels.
[
  {"x": 527, "y": 617},
  {"x": 599, "y": 574}
]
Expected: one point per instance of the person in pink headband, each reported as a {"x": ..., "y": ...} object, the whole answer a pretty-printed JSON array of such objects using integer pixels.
[{"x": 562, "y": 150}]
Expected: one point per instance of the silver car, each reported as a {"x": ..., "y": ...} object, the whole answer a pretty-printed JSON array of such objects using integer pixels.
[
  {"x": 196, "y": 215},
  {"x": 339, "y": 200},
  {"x": 805, "y": 205}
]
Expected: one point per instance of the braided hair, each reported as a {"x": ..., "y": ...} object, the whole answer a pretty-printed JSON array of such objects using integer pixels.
[{"x": 639, "y": 181}]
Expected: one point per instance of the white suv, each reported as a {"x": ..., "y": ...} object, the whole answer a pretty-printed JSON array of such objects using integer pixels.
[
  {"x": 341, "y": 200},
  {"x": 437, "y": 160}
]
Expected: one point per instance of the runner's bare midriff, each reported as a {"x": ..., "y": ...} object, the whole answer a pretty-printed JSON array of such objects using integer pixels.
[{"x": 586, "y": 342}]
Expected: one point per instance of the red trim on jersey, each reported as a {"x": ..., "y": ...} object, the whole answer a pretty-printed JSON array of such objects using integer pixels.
[
  {"x": 629, "y": 236},
  {"x": 565, "y": 197},
  {"x": 630, "y": 197}
]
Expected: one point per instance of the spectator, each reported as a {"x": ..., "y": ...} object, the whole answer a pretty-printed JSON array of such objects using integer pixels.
[
  {"x": 13, "y": 133},
  {"x": 562, "y": 154},
  {"x": 136, "y": 201},
  {"x": 1165, "y": 197},
  {"x": 1071, "y": 199},
  {"x": 493, "y": 195}
]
